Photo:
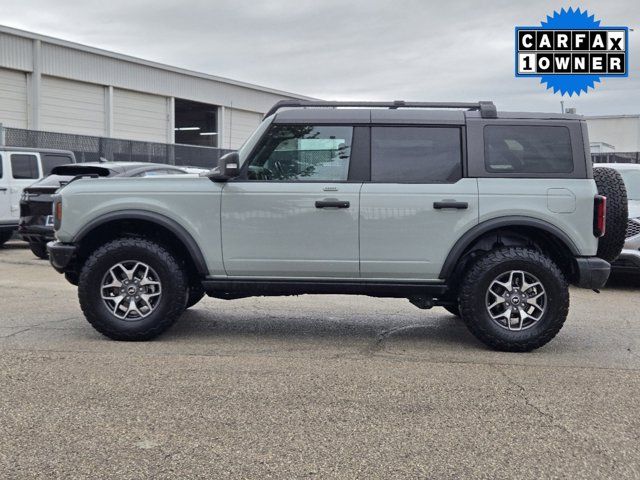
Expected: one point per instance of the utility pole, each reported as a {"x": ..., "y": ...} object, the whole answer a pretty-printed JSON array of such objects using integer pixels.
[{"x": 561, "y": 106}]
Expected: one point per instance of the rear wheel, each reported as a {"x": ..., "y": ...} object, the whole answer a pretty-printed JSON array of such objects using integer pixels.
[
  {"x": 132, "y": 289},
  {"x": 514, "y": 299},
  {"x": 611, "y": 185},
  {"x": 5, "y": 236},
  {"x": 39, "y": 250}
]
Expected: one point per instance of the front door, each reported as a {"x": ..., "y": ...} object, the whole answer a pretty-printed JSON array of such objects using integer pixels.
[
  {"x": 293, "y": 212},
  {"x": 417, "y": 204}
]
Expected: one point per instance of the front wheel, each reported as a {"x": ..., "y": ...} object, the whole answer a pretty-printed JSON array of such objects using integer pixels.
[
  {"x": 132, "y": 289},
  {"x": 514, "y": 299}
]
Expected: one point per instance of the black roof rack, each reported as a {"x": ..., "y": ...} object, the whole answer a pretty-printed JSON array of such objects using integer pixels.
[{"x": 487, "y": 109}]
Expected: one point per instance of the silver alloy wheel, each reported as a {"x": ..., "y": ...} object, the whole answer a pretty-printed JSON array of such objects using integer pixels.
[
  {"x": 131, "y": 290},
  {"x": 516, "y": 300}
]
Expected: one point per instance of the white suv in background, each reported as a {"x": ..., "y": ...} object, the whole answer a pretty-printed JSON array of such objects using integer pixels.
[{"x": 19, "y": 168}]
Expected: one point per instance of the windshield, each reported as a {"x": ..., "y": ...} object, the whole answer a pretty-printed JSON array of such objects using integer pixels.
[
  {"x": 632, "y": 182},
  {"x": 251, "y": 142}
]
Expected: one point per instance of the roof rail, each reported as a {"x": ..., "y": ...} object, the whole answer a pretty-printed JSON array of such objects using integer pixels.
[{"x": 487, "y": 109}]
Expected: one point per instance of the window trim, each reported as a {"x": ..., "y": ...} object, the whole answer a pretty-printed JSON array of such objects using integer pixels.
[
  {"x": 493, "y": 173},
  {"x": 359, "y": 155},
  {"x": 463, "y": 151}
]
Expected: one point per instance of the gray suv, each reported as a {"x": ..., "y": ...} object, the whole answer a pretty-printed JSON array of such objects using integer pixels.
[{"x": 489, "y": 215}]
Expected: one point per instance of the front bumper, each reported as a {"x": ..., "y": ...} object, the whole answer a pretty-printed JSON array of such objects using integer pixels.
[
  {"x": 593, "y": 272},
  {"x": 61, "y": 255}
]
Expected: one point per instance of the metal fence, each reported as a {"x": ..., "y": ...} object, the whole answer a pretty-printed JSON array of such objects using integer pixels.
[
  {"x": 90, "y": 149},
  {"x": 616, "y": 157}
]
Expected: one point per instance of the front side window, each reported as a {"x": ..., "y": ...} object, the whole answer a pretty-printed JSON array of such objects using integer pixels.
[
  {"x": 303, "y": 153},
  {"x": 24, "y": 166},
  {"x": 527, "y": 149},
  {"x": 416, "y": 154}
]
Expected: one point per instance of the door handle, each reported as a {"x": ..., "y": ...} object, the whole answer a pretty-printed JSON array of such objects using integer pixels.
[
  {"x": 332, "y": 204},
  {"x": 450, "y": 204},
  {"x": 2, "y": 189}
]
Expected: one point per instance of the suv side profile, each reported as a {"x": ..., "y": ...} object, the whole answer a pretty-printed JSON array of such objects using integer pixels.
[{"x": 489, "y": 215}]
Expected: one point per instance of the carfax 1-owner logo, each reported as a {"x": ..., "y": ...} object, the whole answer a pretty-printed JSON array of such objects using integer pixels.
[{"x": 571, "y": 51}]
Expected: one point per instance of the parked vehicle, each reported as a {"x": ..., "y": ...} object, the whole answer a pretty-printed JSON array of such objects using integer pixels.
[
  {"x": 629, "y": 259},
  {"x": 489, "y": 215},
  {"x": 20, "y": 167},
  {"x": 36, "y": 219}
]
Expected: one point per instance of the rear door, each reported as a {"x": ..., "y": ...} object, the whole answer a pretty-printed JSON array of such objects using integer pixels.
[
  {"x": 294, "y": 213},
  {"x": 24, "y": 170},
  {"x": 417, "y": 204}
]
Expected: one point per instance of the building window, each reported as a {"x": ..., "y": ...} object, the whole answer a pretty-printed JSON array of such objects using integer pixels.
[{"x": 196, "y": 123}]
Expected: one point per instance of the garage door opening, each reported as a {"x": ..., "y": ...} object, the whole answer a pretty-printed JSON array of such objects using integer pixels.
[{"x": 196, "y": 123}]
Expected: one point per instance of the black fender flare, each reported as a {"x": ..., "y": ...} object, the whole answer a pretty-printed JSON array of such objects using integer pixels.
[
  {"x": 174, "y": 227},
  {"x": 477, "y": 231}
]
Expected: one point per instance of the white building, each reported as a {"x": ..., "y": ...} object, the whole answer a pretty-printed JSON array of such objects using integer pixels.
[
  {"x": 54, "y": 85},
  {"x": 620, "y": 132}
]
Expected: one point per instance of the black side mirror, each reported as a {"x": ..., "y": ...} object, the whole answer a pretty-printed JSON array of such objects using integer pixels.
[{"x": 228, "y": 167}]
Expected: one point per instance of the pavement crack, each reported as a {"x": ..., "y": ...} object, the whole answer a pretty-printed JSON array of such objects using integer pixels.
[
  {"x": 529, "y": 403},
  {"x": 16, "y": 333}
]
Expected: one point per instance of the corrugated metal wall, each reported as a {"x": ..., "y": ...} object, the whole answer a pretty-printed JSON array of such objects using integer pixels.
[
  {"x": 13, "y": 98},
  {"x": 139, "y": 116},
  {"x": 72, "y": 95},
  {"x": 238, "y": 125},
  {"x": 72, "y": 107}
]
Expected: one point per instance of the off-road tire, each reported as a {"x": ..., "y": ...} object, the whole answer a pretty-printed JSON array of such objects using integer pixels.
[
  {"x": 611, "y": 185},
  {"x": 477, "y": 280},
  {"x": 453, "y": 310},
  {"x": 39, "y": 250},
  {"x": 195, "y": 294},
  {"x": 5, "y": 237},
  {"x": 170, "y": 272}
]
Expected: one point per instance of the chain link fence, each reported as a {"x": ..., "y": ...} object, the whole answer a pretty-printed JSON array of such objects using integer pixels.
[{"x": 90, "y": 149}]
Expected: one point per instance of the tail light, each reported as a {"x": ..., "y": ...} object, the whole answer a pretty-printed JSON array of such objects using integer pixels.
[
  {"x": 57, "y": 214},
  {"x": 599, "y": 215}
]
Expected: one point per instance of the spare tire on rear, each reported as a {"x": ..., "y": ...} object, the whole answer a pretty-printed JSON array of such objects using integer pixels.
[{"x": 611, "y": 185}]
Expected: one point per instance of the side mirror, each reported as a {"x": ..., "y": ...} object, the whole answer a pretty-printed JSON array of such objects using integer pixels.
[{"x": 228, "y": 167}]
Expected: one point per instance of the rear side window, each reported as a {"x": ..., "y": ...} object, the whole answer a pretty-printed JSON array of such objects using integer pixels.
[
  {"x": 24, "y": 166},
  {"x": 49, "y": 162},
  {"x": 527, "y": 149},
  {"x": 416, "y": 155}
]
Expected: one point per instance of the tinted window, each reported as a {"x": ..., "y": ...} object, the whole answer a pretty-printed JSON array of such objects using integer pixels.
[
  {"x": 416, "y": 155},
  {"x": 303, "y": 152},
  {"x": 49, "y": 162},
  {"x": 24, "y": 166},
  {"x": 527, "y": 149}
]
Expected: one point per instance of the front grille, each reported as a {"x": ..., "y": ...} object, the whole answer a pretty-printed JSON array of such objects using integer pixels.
[{"x": 633, "y": 228}]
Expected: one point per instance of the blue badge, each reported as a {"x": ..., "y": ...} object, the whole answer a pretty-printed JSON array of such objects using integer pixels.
[{"x": 571, "y": 52}]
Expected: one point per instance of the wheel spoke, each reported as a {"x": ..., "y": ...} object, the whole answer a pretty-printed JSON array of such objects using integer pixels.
[
  {"x": 131, "y": 290},
  {"x": 520, "y": 298}
]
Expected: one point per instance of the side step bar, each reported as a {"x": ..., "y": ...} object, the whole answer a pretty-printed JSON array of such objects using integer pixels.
[{"x": 245, "y": 287}]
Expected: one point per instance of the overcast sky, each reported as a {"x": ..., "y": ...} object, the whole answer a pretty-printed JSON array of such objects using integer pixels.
[{"x": 340, "y": 49}]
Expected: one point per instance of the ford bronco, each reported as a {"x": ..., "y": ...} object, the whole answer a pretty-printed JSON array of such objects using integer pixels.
[{"x": 489, "y": 215}]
